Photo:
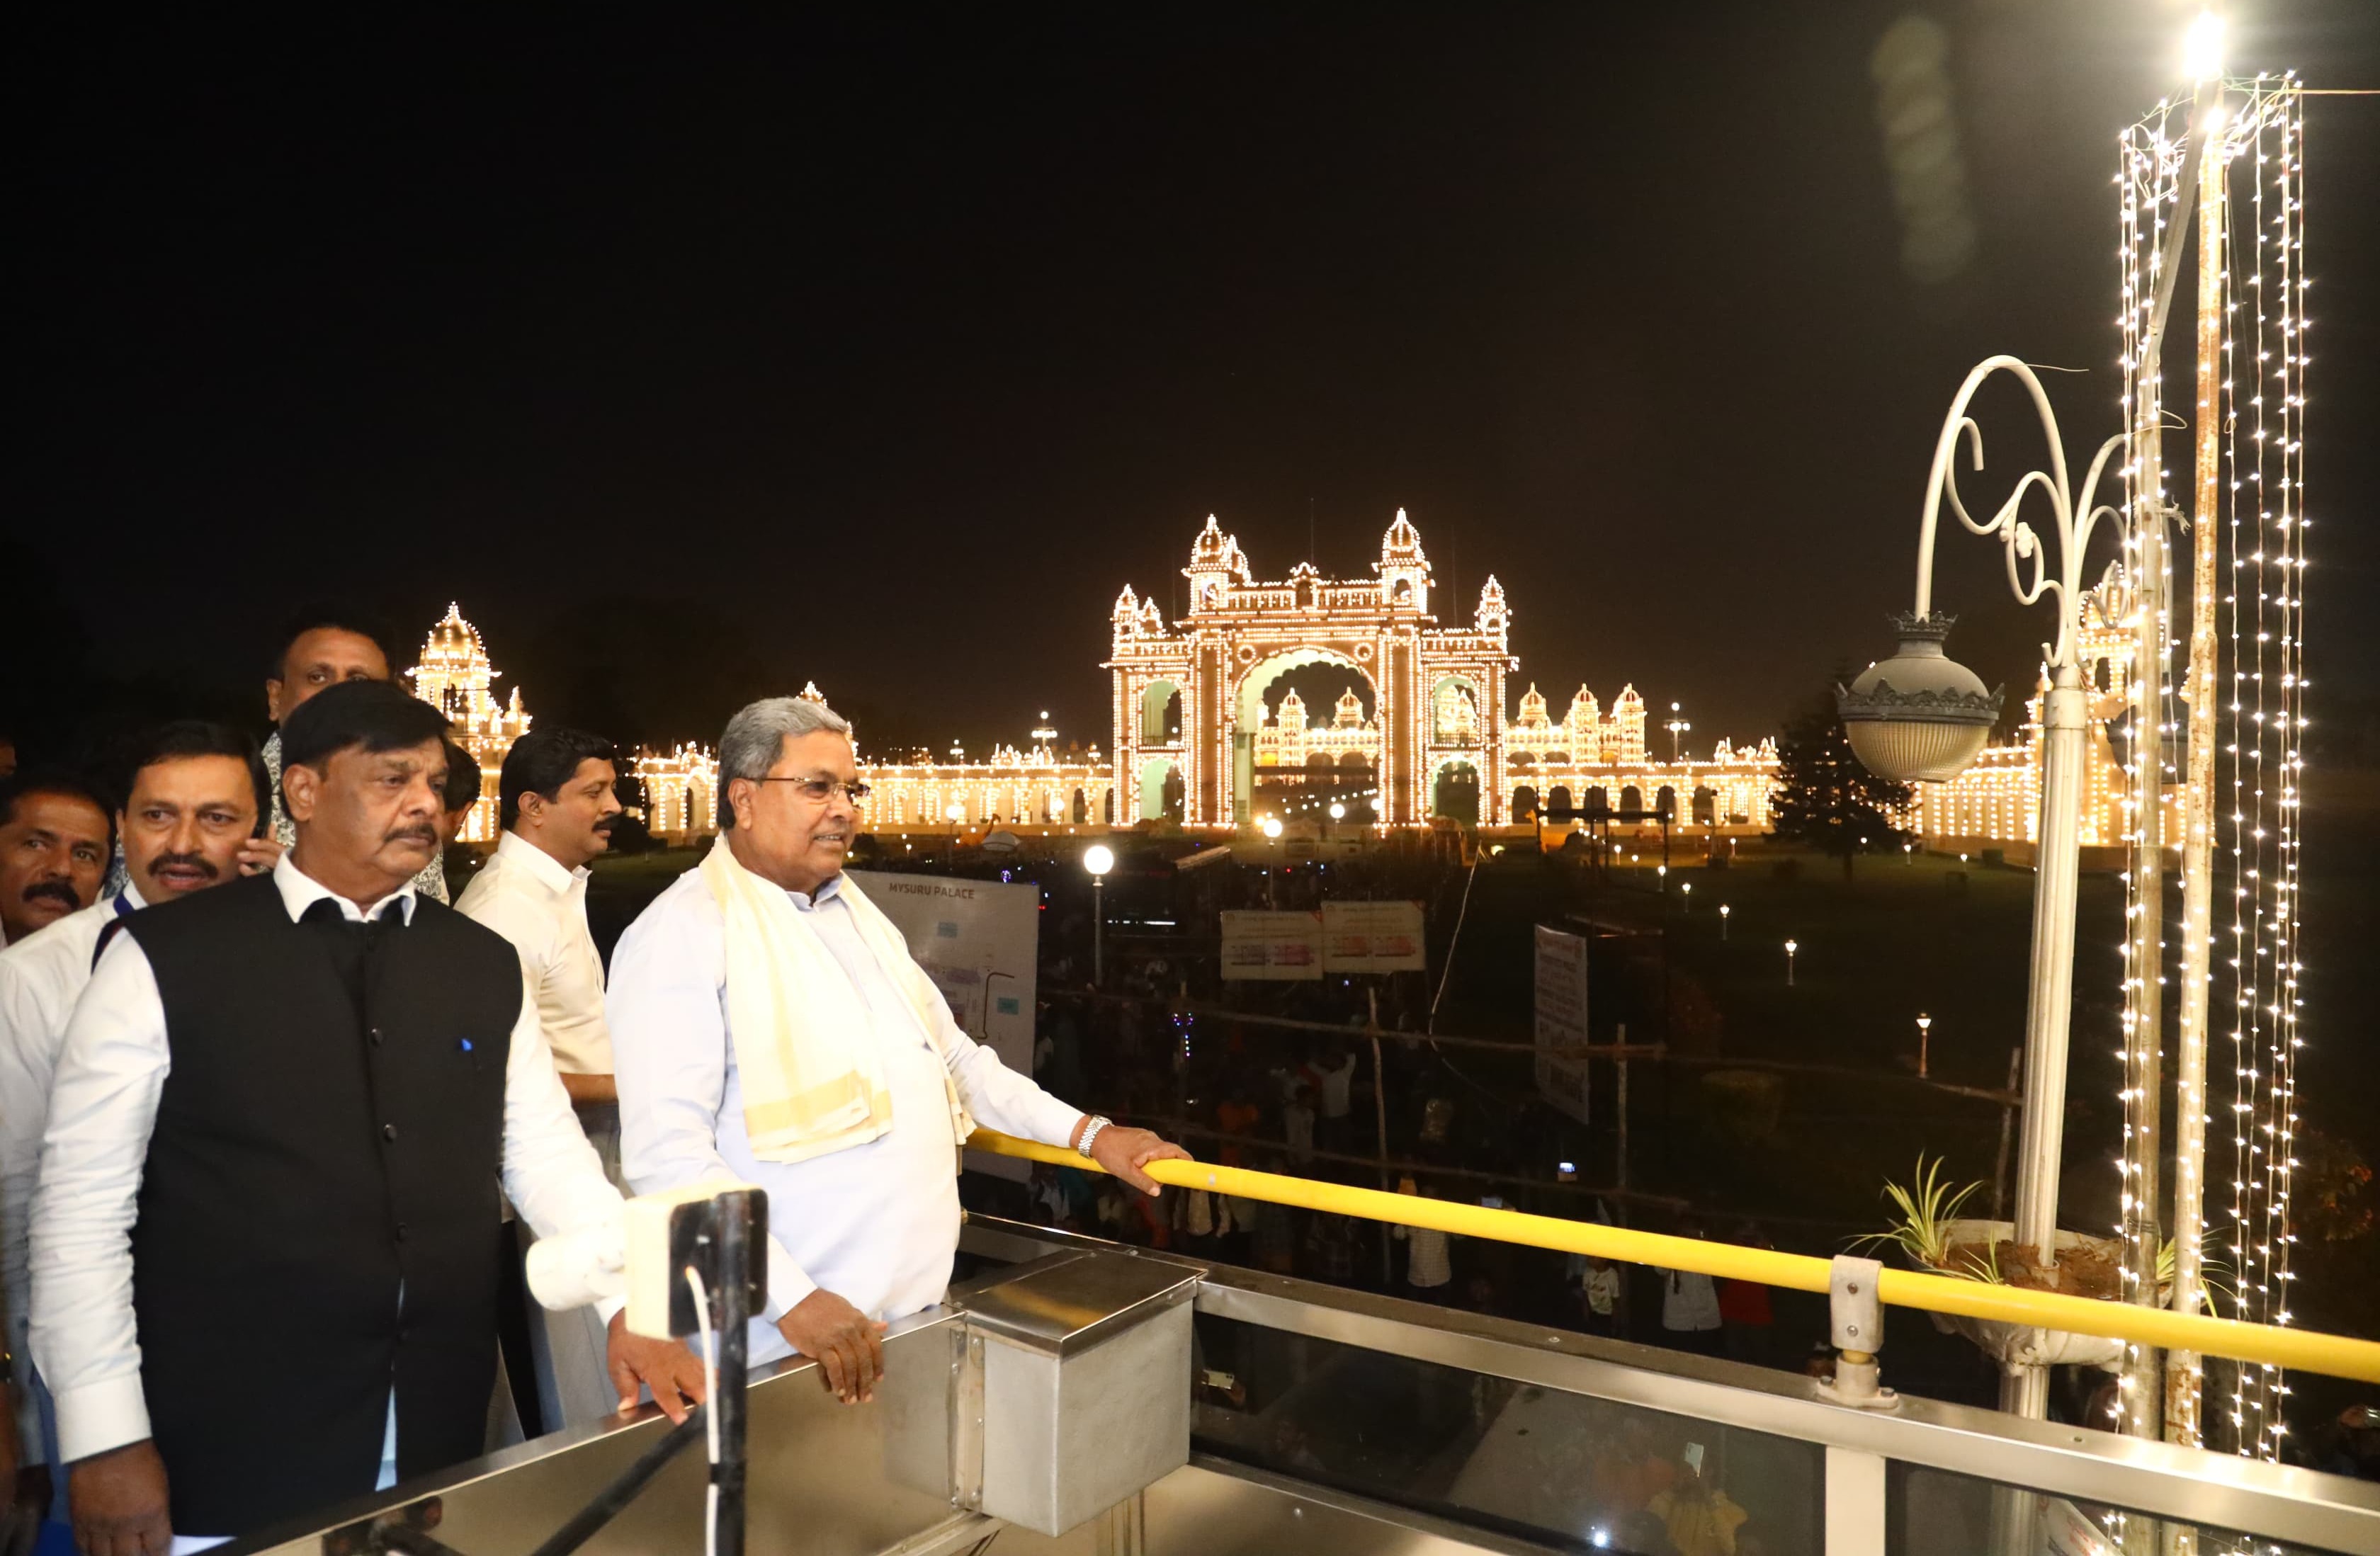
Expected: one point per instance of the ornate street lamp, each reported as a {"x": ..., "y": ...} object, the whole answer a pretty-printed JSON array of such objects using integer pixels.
[{"x": 1921, "y": 716}]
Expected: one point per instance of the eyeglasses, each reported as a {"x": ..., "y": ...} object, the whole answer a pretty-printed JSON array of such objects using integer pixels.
[{"x": 818, "y": 791}]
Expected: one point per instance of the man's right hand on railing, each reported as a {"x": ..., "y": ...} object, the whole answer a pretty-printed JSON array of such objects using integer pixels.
[{"x": 841, "y": 1340}]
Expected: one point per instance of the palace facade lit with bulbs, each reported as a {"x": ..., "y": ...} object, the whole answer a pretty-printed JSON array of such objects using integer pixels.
[
  {"x": 1209, "y": 735},
  {"x": 1996, "y": 803},
  {"x": 456, "y": 677}
]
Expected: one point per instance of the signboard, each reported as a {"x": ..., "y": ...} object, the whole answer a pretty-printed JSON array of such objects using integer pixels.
[
  {"x": 1562, "y": 1019},
  {"x": 979, "y": 942},
  {"x": 1273, "y": 947},
  {"x": 1372, "y": 937}
]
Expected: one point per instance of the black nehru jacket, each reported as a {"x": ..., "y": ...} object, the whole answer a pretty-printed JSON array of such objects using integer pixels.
[{"x": 330, "y": 1132}]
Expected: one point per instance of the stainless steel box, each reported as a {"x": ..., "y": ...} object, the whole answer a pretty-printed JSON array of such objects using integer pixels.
[{"x": 1086, "y": 1377}]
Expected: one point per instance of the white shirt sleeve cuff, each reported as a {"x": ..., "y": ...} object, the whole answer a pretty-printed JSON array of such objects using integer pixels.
[
  {"x": 1053, "y": 1122},
  {"x": 100, "y": 1415},
  {"x": 788, "y": 1285}
]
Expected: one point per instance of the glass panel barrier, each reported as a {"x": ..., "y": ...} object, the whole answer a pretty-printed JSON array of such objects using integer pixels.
[
  {"x": 1940, "y": 1512},
  {"x": 1537, "y": 1463}
]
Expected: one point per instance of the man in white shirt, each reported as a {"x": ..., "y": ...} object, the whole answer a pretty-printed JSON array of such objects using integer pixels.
[
  {"x": 1689, "y": 1315},
  {"x": 53, "y": 849},
  {"x": 863, "y": 1193},
  {"x": 190, "y": 819},
  {"x": 281, "y": 1112},
  {"x": 558, "y": 808}
]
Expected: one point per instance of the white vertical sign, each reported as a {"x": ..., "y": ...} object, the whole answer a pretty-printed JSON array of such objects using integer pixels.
[{"x": 1562, "y": 1019}]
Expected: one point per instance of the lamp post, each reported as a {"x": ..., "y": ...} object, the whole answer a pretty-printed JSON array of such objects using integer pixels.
[
  {"x": 1920, "y": 716},
  {"x": 1099, "y": 859},
  {"x": 1790, "y": 947},
  {"x": 1676, "y": 726},
  {"x": 1925, "y": 1024},
  {"x": 1270, "y": 827},
  {"x": 1686, "y": 891},
  {"x": 1723, "y": 911}
]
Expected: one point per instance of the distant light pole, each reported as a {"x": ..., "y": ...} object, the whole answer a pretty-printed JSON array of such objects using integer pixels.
[
  {"x": 1790, "y": 947},
  {"x": 1687, "y": 889},
  {"x": 1677, "y": 727},
  {"x": 1924, "y": 1023},
  {"x": 1099, "y": 859},
  {"x": 1723, "y": 911},
  {"x": 951, "y": 843},
  {"x": 1909, "y": 853}
]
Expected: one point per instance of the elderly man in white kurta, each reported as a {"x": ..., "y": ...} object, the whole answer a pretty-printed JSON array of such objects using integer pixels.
[{"x": 769, "y": 1024}]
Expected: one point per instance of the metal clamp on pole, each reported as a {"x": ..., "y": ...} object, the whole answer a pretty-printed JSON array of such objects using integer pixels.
[{"x": 1858, "y": 1332}]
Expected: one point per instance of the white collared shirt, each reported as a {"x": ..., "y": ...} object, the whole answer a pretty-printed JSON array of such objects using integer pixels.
[
  {"x": 877, "y": 1223},
  {"x": 41, "y": 977},
  {"x": 103, "y": 1108},
  {"x": 525, "y": 894}
]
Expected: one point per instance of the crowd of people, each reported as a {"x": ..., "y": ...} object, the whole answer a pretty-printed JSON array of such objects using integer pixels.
[
  {"x": 260, "y": 1084},
  {"x": 1287, "y": 1085}
]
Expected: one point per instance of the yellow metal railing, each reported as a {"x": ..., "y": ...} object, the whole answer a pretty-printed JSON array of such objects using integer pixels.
[{"x": 2334, "y": 1355}]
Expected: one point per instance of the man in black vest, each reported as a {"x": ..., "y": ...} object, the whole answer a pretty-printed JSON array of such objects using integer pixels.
[{"x": 262, "y": 1242}]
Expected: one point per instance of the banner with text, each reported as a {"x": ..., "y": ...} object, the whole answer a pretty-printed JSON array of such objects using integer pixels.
[
  {"x": 979, "y": 942},
  {"x": 1372, "y": 937},
  {"x": 1274, "y": 947},
  {"x": 1562, "y": 1020}
]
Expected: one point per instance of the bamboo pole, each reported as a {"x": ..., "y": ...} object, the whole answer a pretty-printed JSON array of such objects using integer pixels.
[{"x": 2183, "y": 1422}]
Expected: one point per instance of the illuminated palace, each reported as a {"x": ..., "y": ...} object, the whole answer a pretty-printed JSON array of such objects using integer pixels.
[
  {"x": 1203, "y": 737},
  {"x": 1207, "y": 735},
  {"x": 1040, "y": 788},
  {"x": 1997, "y": 802},
  {"x": 456, "y": 677}
]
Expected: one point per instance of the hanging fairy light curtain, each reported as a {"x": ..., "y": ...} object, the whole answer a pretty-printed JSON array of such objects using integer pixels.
[
  {"x": 2258, "y": 696},
  {"x": 2151, "y": 158},
  {"x": 2264, "y": 612}
]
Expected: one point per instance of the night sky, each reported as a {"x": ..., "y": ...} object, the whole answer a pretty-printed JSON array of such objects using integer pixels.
[{"x": 699, "y": 362}]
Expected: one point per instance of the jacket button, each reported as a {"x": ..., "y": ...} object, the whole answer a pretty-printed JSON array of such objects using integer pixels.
[{"x": 388, "y": 1131}]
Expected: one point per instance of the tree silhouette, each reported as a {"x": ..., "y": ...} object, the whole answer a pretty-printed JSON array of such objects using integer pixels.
[{"x": 1825, "y": 798}]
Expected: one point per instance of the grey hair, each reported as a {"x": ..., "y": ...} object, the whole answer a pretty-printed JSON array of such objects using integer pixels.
[{"x": 756, "y": 737}]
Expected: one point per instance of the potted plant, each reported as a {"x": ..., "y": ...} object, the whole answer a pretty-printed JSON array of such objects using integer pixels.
[{"x": 1932, "y": 1236}]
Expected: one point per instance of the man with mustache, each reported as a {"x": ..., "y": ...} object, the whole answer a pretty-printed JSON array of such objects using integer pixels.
[
  {"x": 55, "y": 844},
  {"x": 190, "y": 819},
  {"x": 280, "y": 1115},
  {"x": 324, "y": 646},
  {"x": 770, "y": 1024},
  {"x": 558, "y": 808}
]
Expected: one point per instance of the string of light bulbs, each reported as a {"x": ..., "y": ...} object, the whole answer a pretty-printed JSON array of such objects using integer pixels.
[
  {"x": 2149, "y": 177},
  {"x": 2265, "y": 402}
]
